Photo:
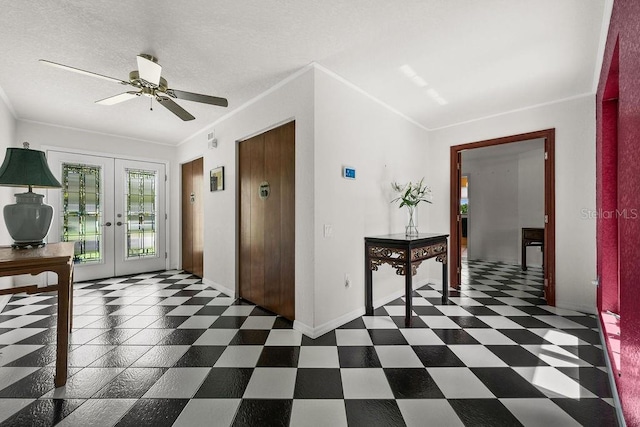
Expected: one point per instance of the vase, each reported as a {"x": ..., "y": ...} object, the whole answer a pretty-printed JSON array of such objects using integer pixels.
[{"x": 411, "y": 230}]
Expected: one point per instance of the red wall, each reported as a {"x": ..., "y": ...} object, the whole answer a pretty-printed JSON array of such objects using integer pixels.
[{"x": 623, "y": 174}]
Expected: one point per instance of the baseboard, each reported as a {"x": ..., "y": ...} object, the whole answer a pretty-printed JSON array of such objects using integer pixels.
[
  {"x": 612, "y": 382},
  {"x": 219, "y": 287},
  {"x": 352, "y": 315}
]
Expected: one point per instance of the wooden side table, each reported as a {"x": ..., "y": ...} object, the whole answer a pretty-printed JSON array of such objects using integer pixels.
[
  {"x": 405, "y": 254},
  {"x": 531, "y": 237},
  {"x": 57, "y": 258}
]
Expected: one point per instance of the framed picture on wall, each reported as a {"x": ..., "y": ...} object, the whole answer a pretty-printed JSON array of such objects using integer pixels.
[{"x": 217, "y": 179}]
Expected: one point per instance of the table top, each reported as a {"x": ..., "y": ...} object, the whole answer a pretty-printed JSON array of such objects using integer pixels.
[
  {"x": 51, "y": 251},
  {"x": 401, "y": 237}
]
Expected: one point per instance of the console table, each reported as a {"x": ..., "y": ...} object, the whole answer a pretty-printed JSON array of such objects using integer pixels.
[
  {"x": 531, "y": 237},
  {"x": 57, "y": 258},
  {"x": 405, "y": 254}
]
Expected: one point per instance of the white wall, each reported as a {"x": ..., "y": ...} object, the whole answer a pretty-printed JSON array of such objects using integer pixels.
[
  {"x": 7, "y": 139},
  {"x": 354, "y": 130},
  {"x": 493, "y": 208},
  {"x": 575, "y": 185},
  {"x": 39, "y": 135},
  {"x": 292, "y": 99},
  {"x": 531, "y": 199}
]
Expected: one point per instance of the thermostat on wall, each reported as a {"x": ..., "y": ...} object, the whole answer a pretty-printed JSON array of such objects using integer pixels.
[{"x": 348, "y": 172}]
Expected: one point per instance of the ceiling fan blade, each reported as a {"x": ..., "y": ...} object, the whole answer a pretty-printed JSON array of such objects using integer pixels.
[
  {"x": 79, "y": 71},
  {"x": 118, "y": 98},
  {"x": 196, "y": 97},
  {"x": 174, "y": 108},
  {"x": 149, "y": 68}
]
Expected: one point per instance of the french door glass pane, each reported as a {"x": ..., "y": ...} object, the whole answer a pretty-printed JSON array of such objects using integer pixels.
[
  {"x": 81, "y": 211},
  {"x": 141, "y": 213}
]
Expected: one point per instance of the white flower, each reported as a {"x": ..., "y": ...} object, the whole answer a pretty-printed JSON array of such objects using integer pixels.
[{"x": 411, "y": 194}]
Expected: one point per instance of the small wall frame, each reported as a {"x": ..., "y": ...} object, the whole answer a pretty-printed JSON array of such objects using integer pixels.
[{"x": 217, "y": 179}]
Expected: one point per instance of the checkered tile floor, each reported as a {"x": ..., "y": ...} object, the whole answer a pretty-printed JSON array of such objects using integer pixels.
[{"x": 164, "y": 349}]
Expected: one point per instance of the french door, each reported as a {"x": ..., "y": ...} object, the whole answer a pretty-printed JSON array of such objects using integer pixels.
[{"x": 113, "y": 209}]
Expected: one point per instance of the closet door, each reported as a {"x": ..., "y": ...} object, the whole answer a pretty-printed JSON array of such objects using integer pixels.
[
  {"x": 192, "y": 217},
  {"x": 267, "y": 225}
]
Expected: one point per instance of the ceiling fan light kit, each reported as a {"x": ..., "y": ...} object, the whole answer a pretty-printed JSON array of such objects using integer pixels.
[{"x": 149, "y": 82}]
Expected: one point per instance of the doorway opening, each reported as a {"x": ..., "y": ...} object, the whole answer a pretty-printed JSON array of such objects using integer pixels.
[{"x": 547, "y": 227}]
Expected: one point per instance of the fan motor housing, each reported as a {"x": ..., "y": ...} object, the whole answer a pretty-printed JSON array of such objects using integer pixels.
[{"x": 135, "y": 80}]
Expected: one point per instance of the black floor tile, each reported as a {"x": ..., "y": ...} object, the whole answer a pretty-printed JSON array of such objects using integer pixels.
[
  {"x": 132, "y": 383},
  {"x": 483, "y": 413},
  {"x": 593, "y": 379},
  {"x": 314, "y": 383},
  {"x": 588, "y": 321},
  {"x": 534, "y": 311},
  {"x": 283, "y": 357},
  {"x": 455, "y": 336},
  {"x": 358, "y": 357},
  {"x": 114, "y": 337},
  {"x": 153, "y": 412},
  {"x": 282, "y": 323},
  {"x": 589, "y": 412},
  {"x": 478, "y": 310},
  {"x": 412, "y": 383},
  {"x": 169, "y": 322},
  {"x": 43, "y": 412},
  {"x": 227, "y": 383},
  {"x": 373, "y": 413},
  {"x": 489, "y": 301},
  {"x": 529, "y": 322},
  {"x": 588, "y": 335},
  {"x": 588, "y": 353},
  {"x": 328, "y": 339},
  {"x": 469, "y": 322},
  {"x": 198, "y": 300},
  {"x": 416, "y": 322},
  {"x": 507, "y": 383},
  {"x": 33, "y": 385},
  {"x": 387, "y": 337},
  {"x": 200, "y": 355},
  {"x": 182, "y": 337},
  {"x": 228, "y": 322},
  {"x": 514, "y": 355},
  {"x": 41, "y": 357},
  {"x": 523, "y": 336},
  {"x": 354, "y": 324},
  {"x": 437, "y": 355},
  {"x": 41, "y": 338},
  {"x": 263, "y": 412},
  {"x": 121, "y": 356},
  {"x": 211, "y": 310},
  {"x": 426, "y": 310},
  {"x": 250, "y": 337}
]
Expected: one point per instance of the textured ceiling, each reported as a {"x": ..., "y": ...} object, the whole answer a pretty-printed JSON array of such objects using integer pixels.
[{"x": 477, "y": 58}]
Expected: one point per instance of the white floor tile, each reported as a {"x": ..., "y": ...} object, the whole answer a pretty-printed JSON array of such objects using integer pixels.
[
  {"x": 14, "y": 352},
  {"x": 9, "y": 375},
  {"x": 259, "y": 322},
  {"x": 284, "y": 337},
  {"x": 198, "y": 322},
  {"x": 216, "y": 337},
  {"x": 421, "y": 337},
  {"x": 240, "y": 356},
  {"x": 439, "y": 322},
  {"x": 221, "y": 301},
  {"x": 178, "y": 383},
  {"x": 19, "y": 334},
  {"x": 459, "y": 383},
  {"x": 560, "y": 322},
  {"x": 395, "y": 310},
  {"x": 365, "y": 383},
  {"x": 477, "y": 356},
  {"x": 398, "y": 356},
  {"x": 452, "y": 310},
  {"x": 22, "y": 320},
  {"x": 318, "y": 357},
  {"x": 85, "y": 383},
  {"x": 162, "y": 356},
  {"x": 558, "y": 337},
  {"x": 353, "y": 337},
  {"x": 185, "y": 310},
  {"x": 507, "y": 310},
  {"x": 379, "y": 322},
  {"x": 208, "y": 412},
  {"x": 318, "y": 413},
  {"x": 238, "y": 310},
  {"x": 416, "y": 412},
  {"x": 271, "y": 383},
  {"x": 555, "y": 356}
]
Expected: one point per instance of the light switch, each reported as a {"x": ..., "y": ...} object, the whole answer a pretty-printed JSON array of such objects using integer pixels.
[{"x": 328, "y": 230}]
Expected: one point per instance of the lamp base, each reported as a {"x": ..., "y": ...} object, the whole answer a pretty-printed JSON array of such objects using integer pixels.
[
  {"x": 28, "y": 220},
  {"x": 28, "y": 245}
]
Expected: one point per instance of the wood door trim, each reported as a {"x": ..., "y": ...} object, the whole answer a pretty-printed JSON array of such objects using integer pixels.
[{"x": 549, "y": 204}]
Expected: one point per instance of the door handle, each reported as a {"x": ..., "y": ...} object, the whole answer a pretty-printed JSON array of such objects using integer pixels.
[
  {"x": 119, "y": 223},
  {"x": 107, "y": 224}
]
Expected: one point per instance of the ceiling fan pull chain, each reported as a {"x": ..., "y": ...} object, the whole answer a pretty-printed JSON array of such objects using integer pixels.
[{"x": 150, "y": 104}]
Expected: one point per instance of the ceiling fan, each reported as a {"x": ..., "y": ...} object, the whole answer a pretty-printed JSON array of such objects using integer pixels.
[{"x": 149, "y": 82}]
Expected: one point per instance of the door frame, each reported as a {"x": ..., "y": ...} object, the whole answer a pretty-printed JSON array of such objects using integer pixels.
[
  {"x": 167, "y": 187},
  {"x": 549, "y": 256}
]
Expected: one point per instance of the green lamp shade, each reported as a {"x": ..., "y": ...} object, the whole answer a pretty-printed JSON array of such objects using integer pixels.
[
  {"x": 23, "y": 167},
  {"x": 28, "y": 220}
]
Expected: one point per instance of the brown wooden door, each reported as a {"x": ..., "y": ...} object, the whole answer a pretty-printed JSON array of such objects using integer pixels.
[
  {"x": 267, "y": 226},
  {"x": 192, "y": 217}
]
